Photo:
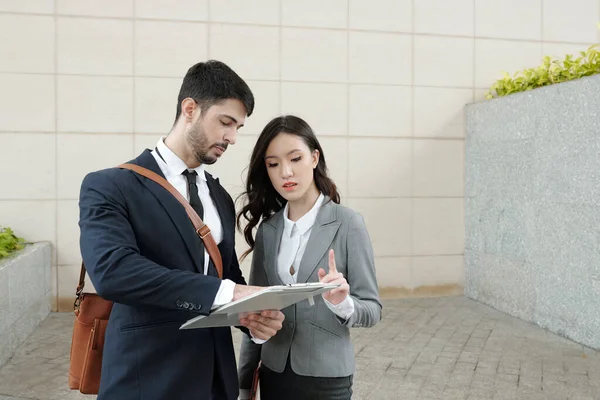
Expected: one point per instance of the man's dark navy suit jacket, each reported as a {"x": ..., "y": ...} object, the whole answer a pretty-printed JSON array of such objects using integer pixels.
[{"x": 141, "y": 251}]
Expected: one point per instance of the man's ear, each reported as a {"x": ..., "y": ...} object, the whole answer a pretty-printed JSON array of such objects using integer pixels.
[{"x": 188, "y": 107}]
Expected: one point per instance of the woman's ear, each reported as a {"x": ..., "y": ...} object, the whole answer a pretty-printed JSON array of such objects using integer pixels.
[{"x": 315, "y": 156}]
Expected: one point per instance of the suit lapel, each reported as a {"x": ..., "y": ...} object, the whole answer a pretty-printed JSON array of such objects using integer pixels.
[
  {"x": 173, "y": 208},
  {"x": 227, "y": 218},
  {"x": 321, "y": 237},
  {"x": 271, "y": 241}
]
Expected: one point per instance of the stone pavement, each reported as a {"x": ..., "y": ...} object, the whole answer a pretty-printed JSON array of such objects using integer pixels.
[{"x": 428, "y": 348}]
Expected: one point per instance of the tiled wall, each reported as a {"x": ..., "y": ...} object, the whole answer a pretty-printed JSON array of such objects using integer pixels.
[{"x": 89, "y": 84}]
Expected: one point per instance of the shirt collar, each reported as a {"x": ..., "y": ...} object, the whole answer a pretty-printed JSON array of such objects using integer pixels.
[
  {"x": 305, "y": 222},
  {"x": 175, "y": 165}
]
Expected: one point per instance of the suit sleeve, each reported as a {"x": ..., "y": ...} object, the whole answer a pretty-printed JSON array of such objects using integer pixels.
[
  {"x": 113, "y": 261},
  {"x": 361, "y": 276},
  {"x": 250, "y": 351}
]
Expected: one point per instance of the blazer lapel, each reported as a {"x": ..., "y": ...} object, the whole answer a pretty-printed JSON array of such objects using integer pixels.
[
  {"x": 321, "y": 237},
  {"x": 227, "y": 219},
  {"x": 271, "y": 241},
  {"x": 174, "y": 209}
]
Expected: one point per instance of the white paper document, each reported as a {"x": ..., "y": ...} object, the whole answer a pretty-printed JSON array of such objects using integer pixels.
[{"x": 271, "y": 298}]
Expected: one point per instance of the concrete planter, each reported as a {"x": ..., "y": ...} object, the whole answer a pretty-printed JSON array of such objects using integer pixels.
[
  {"x": 25, "y": 295},
  {"x": 533, "y": 207}
]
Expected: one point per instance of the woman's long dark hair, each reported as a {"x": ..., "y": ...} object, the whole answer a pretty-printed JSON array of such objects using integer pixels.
[{"x": 261, "y": 198}]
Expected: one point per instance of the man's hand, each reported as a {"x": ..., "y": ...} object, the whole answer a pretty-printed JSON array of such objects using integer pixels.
[
  {"x": 242, "y": 291},
  {"x": 264, "y": 325},
  {"x": 339, "y": 294}
]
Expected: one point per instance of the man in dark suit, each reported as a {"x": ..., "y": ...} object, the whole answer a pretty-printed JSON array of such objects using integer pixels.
[{"x": 141, "y": 252}]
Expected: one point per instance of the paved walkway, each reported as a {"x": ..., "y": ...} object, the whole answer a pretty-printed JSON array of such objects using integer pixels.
[{"x": 442, "y": 348}]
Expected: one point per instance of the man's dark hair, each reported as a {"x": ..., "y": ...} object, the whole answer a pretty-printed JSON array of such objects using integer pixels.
[{"x": 211, "y": 82}]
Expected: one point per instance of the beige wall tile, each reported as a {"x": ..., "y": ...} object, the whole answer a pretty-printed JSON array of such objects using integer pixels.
[
  {"x": 89, "y": 153},
  {"x": 156, "y": 104},
  {"x": 314, "y": 55},
  {"x": 263, "y": 12},
  {"x": 31, "y": 6},
  {"x": 561, "y": 50},
  {"x": 105, "y": 8},
  {"x": 54, "y": 292},
  {"x": 315, "y": 13},
  {"x": 31, "y": 44},
  {"x": 336, "y": 156},
  {"x": 15, "y": 96},
  {"x": 94, "y": 46},
  {"x": 33, "y": 220},
  {"x": 494, "y": 56},
  {"x": 439, "y": 270},
  {"x": 309, "y": 100},
  {"x": 266, "y": 106},
  {"x": 444, "y": 17},
  {"x": 381, "y": 15},
  {"x": 67, "y": 232},
  {"x": 491, "y": 19},
  {"x": 380, "y": 58},
  {"x": 380, "y": 110},
  {"x": 253, "y": 52},
  {"x": 573, "y": 23},
  {"x": 440, "y": 112},
  {"x": 443, "y": 61},
  {"x": 438, "y": 168},
  {"x": 184, "y": 10},
  {"x": 22, "y": 154},
  {"x": 438, "y": 226},
  {"x": 379, "y": 168},
  {"x": 388, "y": 223},
  {"x": 169, "y": 48},
  {"x": 95, "y": 104},
  {"x": 393, "y": 272},
  {"x": 143, "y": 141}
]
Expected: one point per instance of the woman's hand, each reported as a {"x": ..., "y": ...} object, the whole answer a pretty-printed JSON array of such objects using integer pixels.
[{"x": 339, "y": 294}]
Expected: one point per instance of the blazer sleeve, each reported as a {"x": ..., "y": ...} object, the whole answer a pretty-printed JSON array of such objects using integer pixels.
[
  {"x": 250, "y": 351},
  {"x": 361, "y": 276},
  {"x": 112, "y": 259}
]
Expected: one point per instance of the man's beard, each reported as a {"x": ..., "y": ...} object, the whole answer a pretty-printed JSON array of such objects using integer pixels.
[{"x": 199, "y": 145}]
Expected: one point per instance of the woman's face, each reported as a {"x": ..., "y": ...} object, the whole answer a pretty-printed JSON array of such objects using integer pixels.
[{"x": 290, "y": 165}]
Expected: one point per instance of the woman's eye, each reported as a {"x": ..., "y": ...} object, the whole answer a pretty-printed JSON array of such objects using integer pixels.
[
  {"x": 271, "y": 165},
  {"x": 225, "y": 123},
  {"x": 296, "y": 159}
]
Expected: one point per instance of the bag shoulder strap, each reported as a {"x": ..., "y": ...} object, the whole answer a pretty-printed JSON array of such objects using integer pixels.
[{"x": 202, "y": 230}]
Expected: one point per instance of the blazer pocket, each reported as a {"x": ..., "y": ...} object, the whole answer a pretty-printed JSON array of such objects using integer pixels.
[
  {"x": 319, "y": 327},
  {"x": 148, "y": 325}
]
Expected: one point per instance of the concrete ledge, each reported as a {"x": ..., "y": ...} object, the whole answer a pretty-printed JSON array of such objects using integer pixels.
[
  {"x": 25, "y": 295},
  {"x": 533, "y": 207}
]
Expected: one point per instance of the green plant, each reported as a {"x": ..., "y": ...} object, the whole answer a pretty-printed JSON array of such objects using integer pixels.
[
  {"x": 9, "y": 242},
  {"x": 550, "y": 72}
]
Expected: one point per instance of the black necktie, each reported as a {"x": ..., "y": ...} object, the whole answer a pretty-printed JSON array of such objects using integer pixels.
[
  {"x": 197, "y": 206},
  {"x": 193, "y": 191}
]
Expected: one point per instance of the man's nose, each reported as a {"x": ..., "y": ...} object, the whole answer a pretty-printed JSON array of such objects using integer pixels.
[{"x": 230, "y": 136}]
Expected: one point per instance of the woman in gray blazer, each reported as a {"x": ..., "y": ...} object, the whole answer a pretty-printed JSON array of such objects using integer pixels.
[{"x": 304, "y": 235}]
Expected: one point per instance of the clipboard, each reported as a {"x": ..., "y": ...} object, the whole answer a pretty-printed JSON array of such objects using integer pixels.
[{"x": 270, "y": 298}]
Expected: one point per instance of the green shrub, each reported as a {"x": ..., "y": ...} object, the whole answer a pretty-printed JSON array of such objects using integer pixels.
[
  {"x": 9, "y": 242},
  {"x": 550, "y": 72}
]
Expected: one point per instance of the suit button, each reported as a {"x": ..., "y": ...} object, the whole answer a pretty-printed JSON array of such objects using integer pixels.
[
  {"x": 186, "y": 305},
  {"x": 178, "y": 302}
]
